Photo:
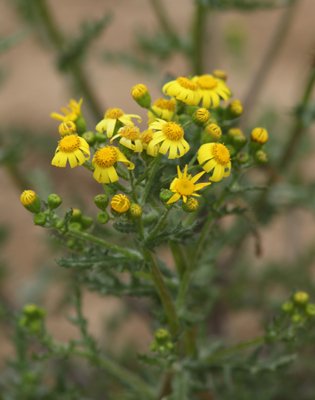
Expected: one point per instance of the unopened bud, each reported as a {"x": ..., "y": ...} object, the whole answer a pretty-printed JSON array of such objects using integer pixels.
[
  {"x": 134, "y": 212},
  {"x": 67, "y": 128},
  {"x": 261, "y": 157},
  {"x": 76, "y": 226},
  {"x": 220, "y": 74},
  {"x": 80, "y": 123},
  {"x": 102, "y": 217},
  {"x": 242, "y": 157},
  {"x": 310, "y": 310},
  {"x": 89, "y": 137},
  {"x": 100, "y": 137},
  {"x": 86, "y": 222},
  {"x": 288, "y": 307},
  {"x": 59, "y": 224},
  {"x": 212, "y": 133},
  {"x": 162, "y": 336},
  {"x": 200, "y": 116},
  {"x": 165, "y": 195},
  {"x": 120, "y": 203},
  {"x": 76, "y": 215},
  {"x": 301, "y": 298},
  {"x": 235, "y": 109},
  {"x": 234, "y": 132},
  {"x": 259, "y": 135},
  {"x": 40, "y": 219},
  {"x": 54, "y": 201},
  {"x": 141, "y": 95},
  {"x": 31, "y": 201},
  {"x": 191, "y": 205},
  {"x": 153, "y": 346},
  {"x": 101, "y": 201},
  {"x": 239, "y": 141},
  {"x": 296, "y": 318}
]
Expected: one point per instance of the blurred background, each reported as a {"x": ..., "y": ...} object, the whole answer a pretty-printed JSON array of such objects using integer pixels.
[{"x": 113, "y": 45}]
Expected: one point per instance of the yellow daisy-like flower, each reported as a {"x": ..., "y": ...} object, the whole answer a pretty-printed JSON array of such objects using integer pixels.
[
  {"x": 184, "y": 186},
  {"x": 111, "y": 117},
  {"x": 146, "y": 137},
  {"x": 67, "y": 128},
  {"x": 219, "y": 160},
  {"x": 163, "y": 108},
  {"x": 72, "y": 115},
  {"x": 172, "y": 136},
  {"x": 211, "y": 90},
  {"x": 104, "y": 160},
  {"x": 130, "y": 137},
  {"x": 72, "y": 148},
  {"x": 183, "y": 89},
  {"x": 120, "y": 203}
]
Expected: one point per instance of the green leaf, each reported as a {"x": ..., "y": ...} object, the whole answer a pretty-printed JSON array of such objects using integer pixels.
[{"x": 12, "y": 40}]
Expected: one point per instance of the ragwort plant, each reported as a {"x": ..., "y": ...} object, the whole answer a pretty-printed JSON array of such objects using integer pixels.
[{"x": 169, "y": 185}]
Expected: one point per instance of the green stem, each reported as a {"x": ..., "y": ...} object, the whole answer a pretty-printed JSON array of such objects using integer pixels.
[
  {"x": 89, "y": 166},
  {"x": 153, "y": 172},
  {"x": 163, "y": 18},
  {"x": 120, "y": 373},
  {"x": 158, "y": 226},
  {"x": 122, "y": 172},
  {"x": 198, "y": 36},
  {"x": 180, "y": 261},
  {"x": 153, "y": 112},
  {"x": 132, "y": 254}
]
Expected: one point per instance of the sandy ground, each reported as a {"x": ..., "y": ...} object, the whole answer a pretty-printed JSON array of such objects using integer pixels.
[{"x": 33, "y": 89}]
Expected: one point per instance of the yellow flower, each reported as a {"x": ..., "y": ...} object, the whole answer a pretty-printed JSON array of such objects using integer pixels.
[
  {"x": 211, "y": 90},
  {"x": 72, "y": 148},
  {"x": 28, "y": 197},
  {"x": 67, "y": 128},
  {"x": 120, "y": 203},
  {"x": 72, "y": 115},
  {"x": 111, "y": 117},
  {"x": 146, "y": 137},
  {"x": 163, "y": 108},
  {"x": 172, "y": 136},
  {"x": 218, "y": 73},
  {"x": 183, "y": 89},
  {"x": 259, "y": 135},
  {"x": 104, "y": 160},
  {"x": 184, "y": 186},
  {"x": 130, "y": 137},
  {"x": 142, "y": 96},
  {"x": 219, "y": 160}
]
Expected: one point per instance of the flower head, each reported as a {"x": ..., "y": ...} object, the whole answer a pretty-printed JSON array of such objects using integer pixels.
[
  {"x": 163, "y": 108},
  {"x": 72, "y": 148},
  {"x": 172, "y": 136},
  {"x": 183, "y": 89},
  {"x": 112, "y": 117},
  {"x": 259, "y": 135},
  {"x": 219, "y": 160},
  {"x": 104, "y": 160},
  {"x": 129, "y": 137},
  {"x": 218, "y": 73},
  {"x": 184, "y": 186},
  {"x": 67, "y": 128},
  {"x": 211, "y": 90},
  {"x": 141, "y": 95},
  {"x": 212, "y": 133},
  {"x": 120, "y": 203},
  {"x": 146, "y": 137},
  {"x": 202, "y": 115},
  {"x": 28, "y": 197},
  {"x": 72, "y": 115},
  {"x": 236, "y": 108}
]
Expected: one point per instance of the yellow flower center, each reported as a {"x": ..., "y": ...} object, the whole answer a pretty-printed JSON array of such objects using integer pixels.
[
  {"x": 138, "y": 91},
  {"x": 69, "y": 144},
  {"x": 164, "y": 104},
  {"x": 106, "y": 157},
  {"x": 147, "y": 136},
  {"x": 114, "y": 113},
  {"x": 207, "y": 82},
  {"x": 221, "y": 154},
  {"x": 184, "y": 187},
  {"x": 130, "y": 132},
  {"x": 173, "y": 131},
  {"x": 28, "y": 197},
  {"x": 187, "y": 83},
  {"x": 120, "y": 203}
]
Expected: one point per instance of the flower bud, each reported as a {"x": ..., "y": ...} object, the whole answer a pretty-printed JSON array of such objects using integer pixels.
[
  {"x": 102, "y": 217},
  {"x": 89, "y": 137},
  {"x": 120, "y": 203},
  {"x": 191, "y": 205},
  {"x": 67, "y": 128},
  {"x": 71, "y": 243},
  {"x": 165, "y": 195},
  {"x": 235, "y": 109},
  {"x": 31, "y": 201},
  {"x": 296, "y": 318},
  {"x": 100, "y": 137},
  {"x": 101, "y": 201},
  {"x": 76, "y": 226},
  {"x": 54, "y": 201},
  {"x": 231, "y": 149},
  {"x": 80, "y": 123},
  {"x": 162, "y": 336},
  {"x": 40, "y": 219},
  {"x": 134, "y": 212},
  {"x": 242, "y": 157},
  {"x": 33, "y": 311},
  {"x": 86, "y": 222},
  {"x": 32, "y": 318},
  {"x": 59, "y": 224},
  {"x": 212, "y": 133},
  {"x": 170, "y": 346},
  {"x": 301, "y": 298},
  {"x": 259, "y": 135},
  {"x": 310, "y": 310},
  {"x": 141, "y": 95},
  {"x": 76, "y": 215},
  {"x": 153, "y": 346},
  {"x": 261, "y": 157},
  {"x": 220, "y": 74},
  {"x": 200, "y": 116},
  {"x": 234, "y": 132},
  {"x": 239, "y": 141},
  {"x": 110, "y": 189},
  {"x": 288, "y": 307}
]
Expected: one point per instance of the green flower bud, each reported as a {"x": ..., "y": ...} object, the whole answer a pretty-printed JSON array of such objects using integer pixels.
[
  {"x": 261, "y": 157},
  {"x": 102, "y": 217},
  {"x": 100, "y": 137},
  {"x": 239, "y": 141},
  {"x": 34, "y": 311},
  {"x": 296, "y": 318},
  {"x": 301, "y": 298},
  {"x": 212, "y": 133},
  {"x": 71, "y": 243},
  {"x": 242, "y": 157},
  {"x": 86, "y": 222},
  {"x": 162, "y": 349},
  {"x": 134, "y": 212},
  {"x": 54, "y": 201},
  {"x": 110, "y": 190},
  {"x": 101, "y": 201},
  {"x": 310, "y": 310},
  {"x": 31, "y": 201},
  {"x": 153, "y": 346},
  {"x": 231, "y": 149},
  {"x": 288, "y": 307},
  {"x": 59, "y": 224},
  {"x": 234, "y": 132},
  {"x": 200, "y": 116},
  {"x": 165, "y": 195},
  {"x": 162, "y": 336},
  {"x": 89, "y": 137},
  {"x": 76, "y": 215},
  {"x": 80, "y": 124},
  {"x": 40, "y": 219},
  {"x": 234, "y": 110},
  {"x": 75, "y": 226},
  {"x": 191, "y": 205},
  {"x": 170, "y": 345},
  {"x": 141, "y": 95}
]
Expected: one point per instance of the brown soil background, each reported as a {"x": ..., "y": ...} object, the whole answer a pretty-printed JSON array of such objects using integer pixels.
[{"x": 33, "y": 89}]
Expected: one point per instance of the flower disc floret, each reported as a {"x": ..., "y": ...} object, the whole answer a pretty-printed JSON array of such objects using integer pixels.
[
  {"x": 183, "y": 89},
  {"x": 211, "y": 90},
  {"x": 111, "y": 118},
  {"x": 120, "y": 203},
  {"x": 72, "y": 148},
  {"x": 218, "y": 158},
  {"x": 129, "y": 137},
  {"x": 172, "y": 137},
  {"x": 184, "y": 186}
]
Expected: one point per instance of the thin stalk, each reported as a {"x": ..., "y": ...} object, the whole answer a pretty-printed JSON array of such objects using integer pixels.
[
  {"x": 179, "y": 259},
  {"x": 163, "y": 18},
  {"x": 120, "y": 373},
  {"x": 132, "y": 254},
  {"x": 158, "y": 226},
  {"x": 88, "y": 166},
  {"x": 153, "y": 112},
  {"x": 198, "y": 35},
  {"x": 153, "y": 172},
  {"x": 273, "y": 50}
]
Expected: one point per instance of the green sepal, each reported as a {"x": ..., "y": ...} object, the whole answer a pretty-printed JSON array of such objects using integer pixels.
[{"x": 80, "y": 124}]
